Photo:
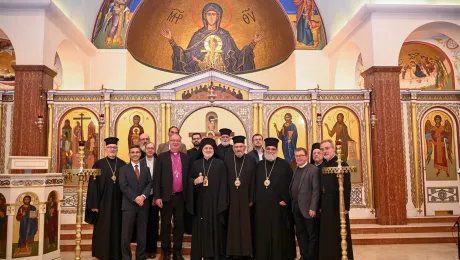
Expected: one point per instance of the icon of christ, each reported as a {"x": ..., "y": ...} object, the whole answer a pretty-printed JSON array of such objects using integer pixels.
[{"x": 212, "y": 47}]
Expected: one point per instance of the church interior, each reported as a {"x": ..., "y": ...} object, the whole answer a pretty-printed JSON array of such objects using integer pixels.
[{"x": 382, "y": 76}]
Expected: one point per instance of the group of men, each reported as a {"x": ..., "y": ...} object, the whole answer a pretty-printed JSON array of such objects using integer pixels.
[{"x": 236, "y": 205}]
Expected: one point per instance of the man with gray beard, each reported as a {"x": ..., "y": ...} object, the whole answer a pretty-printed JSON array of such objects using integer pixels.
[
  {"x": 225, "y": 149},
  {"x": 274, "y": 224},
  {"x": 240, "y": 175}
]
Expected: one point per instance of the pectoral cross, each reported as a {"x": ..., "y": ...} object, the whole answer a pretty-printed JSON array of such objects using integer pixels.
[{"x": 81, "y": 118}]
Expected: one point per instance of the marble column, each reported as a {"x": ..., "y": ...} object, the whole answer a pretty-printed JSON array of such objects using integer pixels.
[
  {"x": 28, "y": 139},
  {"x": 387, "y": 143}
]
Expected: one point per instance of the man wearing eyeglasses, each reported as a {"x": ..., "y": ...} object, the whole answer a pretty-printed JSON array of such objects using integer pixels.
[
  {"x": 103, "y": 204},
  {"x": 305, "y": 193},
  {"x": 152, "y": 224},
  {"x": 144, "y": 139},
  {"x": 164, "y": 147},
  {"x": 196, "y": 141},
  {"x": 170, "y": 182}
]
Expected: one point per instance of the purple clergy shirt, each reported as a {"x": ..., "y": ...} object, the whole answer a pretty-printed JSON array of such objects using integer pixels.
[{"x": 176, "y": 172}]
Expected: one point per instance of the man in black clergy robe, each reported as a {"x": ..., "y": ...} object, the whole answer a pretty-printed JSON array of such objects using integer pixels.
[
  {"x": 330, "y": 239},
  {"x": 208, "y": 203},
  {"x": 224, "y": 149},
  {"x": 103, "y": 204},
  {"x": 274, "y": 224},
  {"x": 193, "y": 154},
  {"x": 241, "y": 171}
]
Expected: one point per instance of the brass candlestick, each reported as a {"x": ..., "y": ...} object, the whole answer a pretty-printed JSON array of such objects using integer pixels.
[
  {"x": 340, "y": 171},
  {"x": 81, "y": 173}
]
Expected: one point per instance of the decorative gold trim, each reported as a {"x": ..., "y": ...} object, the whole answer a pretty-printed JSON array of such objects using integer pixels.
[
  {"x": 107, "y": 120},
  {"x": 405, "y": 97},
  {"x": 313, "y": 122},
  {"x": 438, "y": 97},
  {"x": 168, "y": 119},
  {"x": 7, "y": 98},
  {"x": 130, "y": 97},
  {"x": 370, "y": 191},
  {"x": 340, "y": 97},
  {"x": 50, "y": 132},
  {"x": 163, "y": 122},
  {"x": 303, "y": 97},
  {"x": 261, "y": 119},
  {"x": 255, "y": 113},
  {"x": 416, "y": 156},
  {"x": 77, "y": 98}
]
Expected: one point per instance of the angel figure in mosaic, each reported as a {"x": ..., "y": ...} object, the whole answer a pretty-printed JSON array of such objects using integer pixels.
[{"x": 439, "y": 142}]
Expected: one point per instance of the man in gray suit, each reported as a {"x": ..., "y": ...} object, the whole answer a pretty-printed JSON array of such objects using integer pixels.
[
  {"x": 164, "y": 147},
  {"x": 135, "y": 184},
  {"x": 305, "y": 193}
]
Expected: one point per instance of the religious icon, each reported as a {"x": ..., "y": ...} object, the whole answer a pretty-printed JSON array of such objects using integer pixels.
[
  {"x": 211, "y": 45},
  {"x": 51, "y": 223},
  {"x": 288, "y": 125},
  {"x": 235, "y": 36},
  {"x": 112, "y": 23},
  {"x": 3, "y": 226},
  {"x": 212, "y": 126},
  {"x": 345, "y": 127},
  {"x": 424, "y": 66},
  {"x": 78, "y": 124},
  {"x": 220, "y": 90},
  {"x": 26, "y": 227},
  {"x": 135, "y": 131},
  {"x": 440, "y": 159},
  {"x": 130, "y": 125}
]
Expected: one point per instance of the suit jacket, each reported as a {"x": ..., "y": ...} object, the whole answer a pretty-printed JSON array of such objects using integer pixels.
[
  {"x": 163, "y": 175},
  {"x": 309, "y": 190},
  {"x": 143, "y": 161},
  {"x": 255, "y": 155},
  {"x": 131, "y": 187},
  {"x": 164, "y": 147}
]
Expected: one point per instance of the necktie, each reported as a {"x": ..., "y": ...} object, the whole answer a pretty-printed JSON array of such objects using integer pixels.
[{"x": 138, "y": 174}]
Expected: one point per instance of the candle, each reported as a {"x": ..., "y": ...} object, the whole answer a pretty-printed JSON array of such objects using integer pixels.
[
  {"x": 372, "y": 113},
  {"x": 338, "y": 142},
  {"x": 40, "y": 115},
  {"x": 318, "y": 114},
  {"x": 81, "y": 143},
  {"x": 101, "y": 115}
]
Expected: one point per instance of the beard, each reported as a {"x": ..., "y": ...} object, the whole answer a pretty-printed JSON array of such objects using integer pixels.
[
  {"x": 142, "y": 148},
  {"x": 239, "y": 154},
  {"x": 224, "y": 143},
  {"x": 207, "y": 156},
  {"x": 196, "y": 144},
  {"x": 270, "y": 157}
]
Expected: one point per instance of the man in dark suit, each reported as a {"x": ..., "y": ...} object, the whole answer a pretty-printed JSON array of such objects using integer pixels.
[
  {"x": 170, "y": 181},
  {"x": 305, "y": 193},
  {"x": 135, "y": 184},
  {"x": 196, "y": 141},
  {"x": 152, "y": 224},
  {"x": 258, "y": 152}
]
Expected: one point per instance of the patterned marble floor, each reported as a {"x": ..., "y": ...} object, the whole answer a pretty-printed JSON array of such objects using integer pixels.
[{"x": 372, "y": 252}]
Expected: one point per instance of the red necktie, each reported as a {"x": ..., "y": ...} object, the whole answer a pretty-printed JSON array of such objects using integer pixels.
[{"x": 138, "y": 174}]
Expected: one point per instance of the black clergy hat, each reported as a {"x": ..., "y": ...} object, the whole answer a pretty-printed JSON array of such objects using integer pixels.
[
  {"x": 225, "y": 131},
  {"x": 313, "y": 148},
  {"x": 271, "y": 142},
  {"x": 111, "y": 140},
  {"x": 238, "y": 139},
  {"x": 209, "y": 141}
]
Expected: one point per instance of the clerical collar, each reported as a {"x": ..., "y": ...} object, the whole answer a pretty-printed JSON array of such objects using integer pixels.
[
  {"x": 174, "y": 153},
  {"x": 302, "y": 166}
]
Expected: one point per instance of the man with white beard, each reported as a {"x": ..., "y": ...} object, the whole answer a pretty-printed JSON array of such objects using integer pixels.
[
  {"x": 274, "y": 224},
  {"x": 240, "y": 175},
  {"x": 144, "y": 138},
  {"x": 224, "y": 149}
]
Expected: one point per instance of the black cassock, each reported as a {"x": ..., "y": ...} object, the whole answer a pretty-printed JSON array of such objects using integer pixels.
[
  {"x": 105, "y": 195},
  {"x": 239, "y": 237},
  {"x": 224, "y": 151},
  {"x": 330, "y": 239},
  {"x": 274, "y": 224},
  {"x": 208, "y": 206}
]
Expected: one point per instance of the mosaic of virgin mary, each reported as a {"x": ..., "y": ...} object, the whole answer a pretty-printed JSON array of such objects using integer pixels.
[{"x": 212, "y": 47}]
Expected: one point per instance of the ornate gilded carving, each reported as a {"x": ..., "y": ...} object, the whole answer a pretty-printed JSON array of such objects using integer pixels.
[
  {"x": 438, "y": 97},
  {"x": 442, "y": 194},
  {"x": 8, "y": 97},
  {"x": 304, "y": 97},
  {"x": 75, "y": 98},
  {"x": 340, "y": 97},
  {"x": 134, "y": 97}
]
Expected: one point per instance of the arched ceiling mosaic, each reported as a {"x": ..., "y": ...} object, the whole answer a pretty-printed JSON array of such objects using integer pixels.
[{"x": 115, "y": 16}]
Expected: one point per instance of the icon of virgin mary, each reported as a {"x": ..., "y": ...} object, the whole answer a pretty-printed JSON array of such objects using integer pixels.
[{"x": 212, "y": 47}]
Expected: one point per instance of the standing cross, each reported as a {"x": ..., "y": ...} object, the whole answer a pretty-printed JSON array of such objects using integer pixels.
[{"x": 81, "y": 118}]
